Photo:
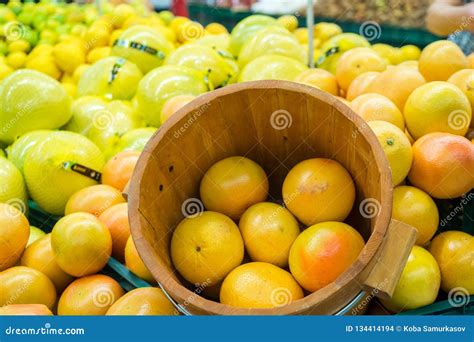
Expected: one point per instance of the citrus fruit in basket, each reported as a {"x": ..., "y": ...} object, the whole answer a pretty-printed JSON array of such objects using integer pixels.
[
  {"x": 440, "y": 59},
  {"x": 416, "y": 208},
  {"x": 272, "y": 67},
  {"x": 35, "y": 234},
  {"x": 206, "y": 247},
  {"x": 322, "y": 252},
  {"x": 25, "y": 310},
  {"x": 173, "y": 105},
  {"x": 268, "y": 230},
  {"x": 135, "y": 264},
  {"x": 90, "y": 295},
  {"x": 13, "y": 190},
  {"x": 163, "y": 83},
  {"x": 13, "y": 236},
  {"x": 259, "y": 285},
  {"x": 372, "y": 107},
  {"x": 30, "y": 100},
  {"x": 115, "y": 219},
  {"x": 317, "y": 190},
  {"x": 81, "y": 244},
  {"x": 397, "y": 148},
  {"x": 397, "y": 84},
  {"x": 443, "y": 165},
  {"x": 119, "y": 169},
  {"x": 419, "y": 282},
  {"x": 464, "y": 80},
  {"x": 360, "y": 84},
  {"x": 111, "y": 78},
  {"x": 437, "y": 107},
  {"x": 24, "y": 285},
  {"x": 144, "y": 46},
  {"x": 319, "y": 78},
  {"x": 48, "y": 169},
  {"x": 272, "y": 40},
  {"x": 147, "y": 301},
  {"x": 40, "y": 256},
  {"x": 232, "y": 185},
  {"x": 19, "y": 149},
  {"x": 454, "y": 252},
  {"x": 355, "y": 62},
  {"x": 94, "y": 199}
]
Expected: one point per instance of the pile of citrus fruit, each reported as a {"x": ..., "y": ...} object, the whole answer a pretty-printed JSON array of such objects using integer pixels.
[{"x": 82, "y": 93}]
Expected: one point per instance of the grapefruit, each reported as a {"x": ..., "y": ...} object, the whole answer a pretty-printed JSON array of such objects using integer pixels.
[
  {"x": 14, "y": 234},
  {"x": 94, "y": 200},
  {"x": 115, "y": 219},
  {"x": 134, "y": 263},
  {"x": 146, "y": 301},
  {"x": 373, "y": 107}
]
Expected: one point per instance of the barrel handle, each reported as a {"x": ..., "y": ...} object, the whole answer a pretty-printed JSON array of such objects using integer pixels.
[{"x": 391, "y": 260}]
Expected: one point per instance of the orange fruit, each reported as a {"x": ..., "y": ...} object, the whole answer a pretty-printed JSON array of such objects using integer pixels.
[
  {"x": 419, "y": 282},
  {"x": 322, "y": 252},
  {"x": 24, "y": 285},
  {"x": 116, "y": 220},
  {"x": 172, "y": 105},
  {"x": 14, "y": 234},
  {"x": 437, "y": 107},
  {"x": 397, "y": 148},
  {"x": 35, "y": 234},
  {"x": 39, "y": 255},
  {"x": 135, "y": 264},
  {"x": 373, "y": 106},
  {"x": 440, "y": 59},
  {"x": 355, "y": 62},
  {"x": 205, "y": 248},
  {"x": 259, "y": 285},
  {"x": 91, "y": 295},
  {"x": 232, "y": 185},
  {"x": 416, "y": 208},
  {"x": 454, "y": 252},
  {"x": 119, "y": 169},
  {"x": 25, "y": 310},
  {"x": 94, "y": 199},
  {"x": 443, "y": 165},
  {"x": 81, "y": 244},
  {"x": 397, "y": 84},
  {"x": 317, "y": 190},
  {"x": 268, "y": 230},
  {"x": 464, "y": 80},
  {"x": 360, "y": 84},
  {"x": 319, "y": 78},
  {"x": 146, "y": 301}
]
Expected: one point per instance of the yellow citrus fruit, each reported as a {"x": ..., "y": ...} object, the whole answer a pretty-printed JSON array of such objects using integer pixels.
[
  {"x": 419, "y": 282},
  {"x": 68, "y": 56},
  {"x": 360, "y": 84},
  {"x": 470, "y": 60},
  {"x": 391, "y": 54},
  {"x": 290, "y": 22},
  {"x": 146, "y": 301},
  {"x": 39, "y": 256},
  {"x": 464, "y": 80},
  {"x": 216, "y": 28},
  {"x": 19, "y": 45},
  {"x": 177, "y": 22},
  {"x": 397, "y": 84},
  {"x": 323, "y": 31},
  {"x": 25, "y": 310},
  {"x": 397, "y": 148},
  {"x": 268, "y": 230},
  {"x": 437, "y": 107},
  {"x": 205, "y": 248},
  {"x": 25, "y": 285},
  {"x": 440, "y": 59},
  {"x": 135, "y": 263},
  {"x": 373, "y": 106},
  {"x": 355, "y": 62},
  {"x": 78, "y": 72},
  {"x": 91, "y": 295},
  {"x": 96, "y": 36},
  {"x": 94, "y": 199},
  {"x": 5, "y": 70},
  {"x": 70, "y": 89},
  {"x": 232, "y": 185},
  {"x": 14, "y": 234},
  {"x": 259, "y": 285},
  {"x": 16, "y": 59},
  {"x": 318, "y": 190},
  {"x": 98, "y": 53},
  {"x": 81, "y": 244},
  {"x": 319, "y": 78},
  {"x": 35, "y": 234},
  {"x": 410, "y": 64},
  {"x": 301, "y": 35},
  {"x": 114, "y": 36},
  {"x": 454, "y": 252},
  {"x": 410, "y": 52},
  {"x": 115, "y": 219},
  {"x": 172, "y": 105},
  {"x": 13, "y": 190},
  {"x": 416, "y": 208},
  {"x": 44, "y": 63}
]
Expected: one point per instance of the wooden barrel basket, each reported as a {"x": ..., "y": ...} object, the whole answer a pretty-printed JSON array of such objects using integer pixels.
[{"x": 277, "y": 124}]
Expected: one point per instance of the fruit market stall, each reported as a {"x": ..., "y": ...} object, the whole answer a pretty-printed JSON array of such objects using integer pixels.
[{"x": 156, "y": 165}]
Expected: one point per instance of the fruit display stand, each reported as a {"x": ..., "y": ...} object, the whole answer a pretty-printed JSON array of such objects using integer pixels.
[{"x": 386, "y": 33}]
